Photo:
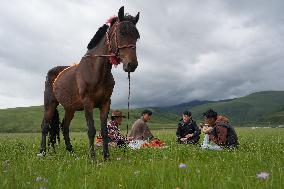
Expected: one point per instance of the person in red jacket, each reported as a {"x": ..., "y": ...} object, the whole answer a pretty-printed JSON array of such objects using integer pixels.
[{"x": 219, "y": 130}]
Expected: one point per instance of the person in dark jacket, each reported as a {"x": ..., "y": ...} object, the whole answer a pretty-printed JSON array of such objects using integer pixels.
[
  {"x": 187, "y": 132},
  {"x": 220, "y": 131}
]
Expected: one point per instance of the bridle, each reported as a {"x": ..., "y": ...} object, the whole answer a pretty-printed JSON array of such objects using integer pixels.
[{"x": 113, "y": 55}]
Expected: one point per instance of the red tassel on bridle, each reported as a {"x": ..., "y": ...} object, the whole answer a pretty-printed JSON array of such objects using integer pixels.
[
  {"x": 114, "y": 60},
  {"x": 111, "y": 20}
]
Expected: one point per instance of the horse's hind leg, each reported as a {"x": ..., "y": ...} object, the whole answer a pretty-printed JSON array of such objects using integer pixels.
[{"x": 69, "y": 114}]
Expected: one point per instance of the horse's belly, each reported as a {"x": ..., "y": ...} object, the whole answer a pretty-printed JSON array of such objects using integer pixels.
[{"x": 66, "y": 91}]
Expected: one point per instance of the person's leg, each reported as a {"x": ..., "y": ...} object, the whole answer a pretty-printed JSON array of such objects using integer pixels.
[
  {"x": 121, "y": 144},
  {"x": 205, "y": 141},
  {"x": 213, "y": 147}
]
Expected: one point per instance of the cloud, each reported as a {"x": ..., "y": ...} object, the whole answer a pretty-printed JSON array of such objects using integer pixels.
[{"x": 188, "y": 50}]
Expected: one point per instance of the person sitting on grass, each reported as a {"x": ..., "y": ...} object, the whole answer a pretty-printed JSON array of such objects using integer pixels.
[
  {"x": 141, "y": 136},
  {"x": 218, "y": 131},
  {"x": 187, "y": 131},
  {"x": 114, "y": 134},
  {"x": 140, "y": 130},
  {"x": 115, "y": 138}
]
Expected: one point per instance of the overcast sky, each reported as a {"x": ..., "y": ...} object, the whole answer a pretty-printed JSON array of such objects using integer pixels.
[{"x": 205, "y": 50}]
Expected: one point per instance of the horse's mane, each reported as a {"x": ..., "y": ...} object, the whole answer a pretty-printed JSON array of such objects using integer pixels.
[
  {"x": 97, "y": 37},
  {"x": 126, "y": 29}
]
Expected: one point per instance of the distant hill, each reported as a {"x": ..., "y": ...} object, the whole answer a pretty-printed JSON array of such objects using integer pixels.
[
  {"x": 178, "y": 109},
  {"x": 28, "y": 119},
  {"x": 260, "y": 108}
]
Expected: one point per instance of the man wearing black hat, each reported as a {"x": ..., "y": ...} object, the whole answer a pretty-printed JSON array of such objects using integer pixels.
[{"x": 187, "y": 132}]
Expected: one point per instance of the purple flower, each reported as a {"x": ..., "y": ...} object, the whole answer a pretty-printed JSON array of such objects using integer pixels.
[
  {"x": 262, "y": 175},
  {"x": 38, "y": 179},
  {"x": 182, "y": 166}
]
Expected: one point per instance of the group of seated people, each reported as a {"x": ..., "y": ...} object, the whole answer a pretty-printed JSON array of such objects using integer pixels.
[{"x": 218, "y": 132}]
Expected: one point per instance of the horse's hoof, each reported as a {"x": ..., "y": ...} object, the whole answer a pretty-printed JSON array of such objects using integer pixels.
[
  {"x": 70, "y": 150},
  {"x": 107, "y": 158},
  {"x": 72, "y": 153},
  {"x": 41, "y": 154}
]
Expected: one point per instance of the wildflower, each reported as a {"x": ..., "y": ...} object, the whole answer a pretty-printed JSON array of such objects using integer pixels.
[
  {"x": 119, "y": 158},
  {"x": 182, "y": 166},
  {"x": 262, "y": 175},
  {"x": 6, "y": 162},
  {"x": 38, "y": 179},
  {"x": 136, "y": 172}
]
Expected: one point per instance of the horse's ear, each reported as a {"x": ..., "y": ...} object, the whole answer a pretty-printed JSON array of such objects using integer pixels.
[
  {"x": 121, "y": 14},
  {"x": 136, "y": 18}
]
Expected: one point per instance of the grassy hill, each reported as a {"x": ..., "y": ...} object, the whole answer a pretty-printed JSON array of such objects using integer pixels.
[
  {"x": 28, "y": 119},
  {"x": 261, "y": 109}
]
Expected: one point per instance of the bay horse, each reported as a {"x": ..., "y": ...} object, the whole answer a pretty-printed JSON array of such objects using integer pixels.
[{"x": 90, "y": 83}]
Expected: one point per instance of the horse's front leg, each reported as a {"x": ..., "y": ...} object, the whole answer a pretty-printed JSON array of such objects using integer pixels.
[
  {"x": 65, "y": 129},
  {"x": 90, "y": 124},
  {"x": 104, "y": 110}
]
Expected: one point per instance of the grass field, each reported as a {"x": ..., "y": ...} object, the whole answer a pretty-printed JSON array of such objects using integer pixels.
[{"x": 261, "y": 150}]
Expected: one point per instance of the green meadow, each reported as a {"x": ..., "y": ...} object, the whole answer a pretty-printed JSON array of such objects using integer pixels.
[{"x": 261, "y": 150}]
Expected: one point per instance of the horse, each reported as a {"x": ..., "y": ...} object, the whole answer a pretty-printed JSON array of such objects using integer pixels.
[{"x": 89, "y": 84}]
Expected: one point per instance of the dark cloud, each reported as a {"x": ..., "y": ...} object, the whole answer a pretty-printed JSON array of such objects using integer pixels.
[{"x": 188, "y": 50}]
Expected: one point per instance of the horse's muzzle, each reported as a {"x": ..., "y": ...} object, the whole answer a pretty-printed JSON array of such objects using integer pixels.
[{"x": 130, "y": 67}]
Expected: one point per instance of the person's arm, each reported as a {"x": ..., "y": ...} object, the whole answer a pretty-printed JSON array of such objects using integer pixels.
[
  {"x": 222, "y": 135},
  {"x": 147, "y": 133},
  {"x": 212, "y": 136},
  {"x": 120, "y": 136},
  {"x": 178, "y": 132},
  {"x": 197, "y": 131},
  {"x": 111, "y": 133}
]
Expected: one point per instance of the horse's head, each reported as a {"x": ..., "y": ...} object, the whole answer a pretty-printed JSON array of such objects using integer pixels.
[{"x": 123, "y": 36}]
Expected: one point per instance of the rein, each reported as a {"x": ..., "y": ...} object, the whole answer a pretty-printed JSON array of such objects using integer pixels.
[{"x": 128, "y": 99}]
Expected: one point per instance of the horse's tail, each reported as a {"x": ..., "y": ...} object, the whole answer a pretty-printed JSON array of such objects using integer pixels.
[
  {"x": 54, "y": 130},
  {"x": 50, "y": 105}
]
